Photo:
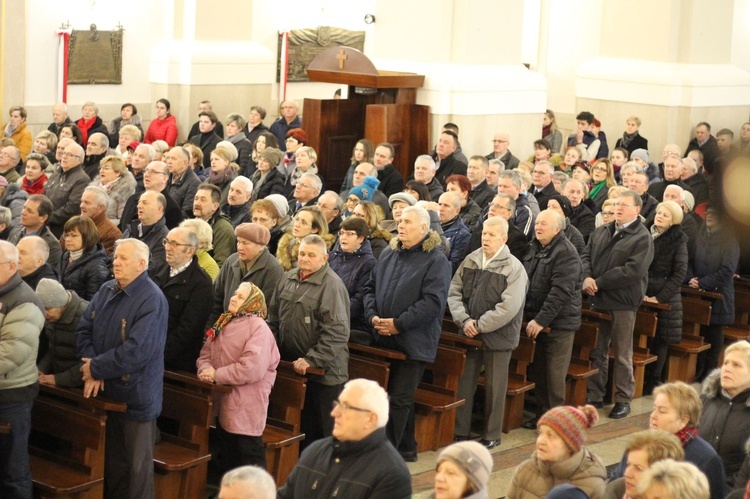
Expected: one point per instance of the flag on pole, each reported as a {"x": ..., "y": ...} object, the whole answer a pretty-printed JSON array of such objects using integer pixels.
[{"x": 63, "y": 43}]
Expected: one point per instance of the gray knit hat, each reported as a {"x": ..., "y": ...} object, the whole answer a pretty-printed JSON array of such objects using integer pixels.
[
  {"x": 280, "y": 202},
  {"x": 473, "y": 458},
  {"x": 641, "y": 154},
  {"x": 52, "y": 293}
]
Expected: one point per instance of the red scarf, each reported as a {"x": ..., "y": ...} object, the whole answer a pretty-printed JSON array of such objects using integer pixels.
[
  {"x": 687, "y": 434},
  {"x": 85, "y": 126},
  {"x": 35, "y": 187}
]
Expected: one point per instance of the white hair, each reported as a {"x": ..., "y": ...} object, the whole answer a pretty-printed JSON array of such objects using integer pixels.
[
  {"x": 39, "y": 247},
  {"x": 10, "y": 252},
  {"x": 140, "y": 249},
  {"x": 316, "y": 182},
  {"x": 679, "y": 189},
  {"x": 246, "y": 182},
  {"x": 497, "y": 222},
  {"x": 690, "y": 164},
  {"x": 426, "y": 158},
  {"x": 455, "y": 199},
  {"x": 372, "y": 397},
  {"x": 105, "y": 139},
  {"x": 258, "y": 483},
  {"x": 315, "y": 240},
  {"x": 202, "y": 230},
  {"x": 422, "y": 215},
  {"x": 102, "y": 198},
  {"x": 150, "y": 149}
]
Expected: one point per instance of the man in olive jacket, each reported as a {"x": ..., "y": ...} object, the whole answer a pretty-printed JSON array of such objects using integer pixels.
[
  {"x": 486, "y": 301},
  {"x": 553, "y": 301},
  {"x": 309, "y": 315},
  {"x": 615, "y": 269}
]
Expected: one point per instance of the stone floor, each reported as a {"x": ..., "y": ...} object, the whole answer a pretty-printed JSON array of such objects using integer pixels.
[{"x": 607, "y": 439}]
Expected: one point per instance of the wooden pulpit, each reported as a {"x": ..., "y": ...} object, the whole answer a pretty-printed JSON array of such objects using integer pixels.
[{"x": 381, "y": 107}]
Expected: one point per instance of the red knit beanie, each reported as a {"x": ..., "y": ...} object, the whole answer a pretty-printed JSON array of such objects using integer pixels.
[{"x": 570, "y": 423}]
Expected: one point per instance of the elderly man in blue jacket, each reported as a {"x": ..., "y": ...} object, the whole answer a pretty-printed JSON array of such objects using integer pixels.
[
  {"x": 405, "y": 302},
  {"x": 121, "y": 341}
]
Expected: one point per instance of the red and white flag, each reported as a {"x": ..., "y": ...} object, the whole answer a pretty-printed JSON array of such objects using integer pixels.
[{"x": 63, "y": 37}]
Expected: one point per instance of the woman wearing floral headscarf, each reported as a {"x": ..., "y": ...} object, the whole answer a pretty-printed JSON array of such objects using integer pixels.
[{"x": 240, "y": 351}]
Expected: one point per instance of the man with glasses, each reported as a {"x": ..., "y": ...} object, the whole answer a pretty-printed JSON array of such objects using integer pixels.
[
  {"x": 306, "y": 192},
  {"x": 366, "y": 464},
  {"x": 309, "y": 315},
  {"x": 155, "y": 178},
  {"x": 288, "y": 120},
  {"x": 615, "y": 270},
  {"x": 332, "y": 206},
  {"x": 65, "y": 187},
  {"x": 23, "y": 320},
  {"x": 251, "y": 263},
  {"x": 150, "y": 228},
  {"x": 10, "y": 156},
  {"x": 544, "y": 188},
  {"x": 189, "y": 293},
  {"x": 96, "y": 149},
  {"x": 504, "y": 206},
  {"x": 501, "y": 151}
]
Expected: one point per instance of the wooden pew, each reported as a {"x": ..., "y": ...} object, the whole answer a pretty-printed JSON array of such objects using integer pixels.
[
  {"x": 518, "y": 383},
  {"x": 683, "y": 356},
  {"x": 74, "y": 468},
  {"x": 375, "y": 370},
  {"x": 435, "y": 402},
  {"x": 580, "y": 369}
]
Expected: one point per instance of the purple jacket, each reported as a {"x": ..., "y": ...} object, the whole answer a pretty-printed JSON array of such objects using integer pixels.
[{"x": 245, "y": 356}]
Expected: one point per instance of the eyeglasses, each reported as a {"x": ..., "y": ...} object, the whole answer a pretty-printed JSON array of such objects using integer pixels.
[
  {"x": 343, "y": 406},
  {"x": 499, "y": 141},
  {"x": 343, "y": 233},
  {"x": 304, "y": 186},
  {"x": 152, "y": 170},
  {"x": 65, "y": 155},
  {"x": 599, "y": 169},
  {"x": 540, "y": 172},
  {"x": 499, "y": 207},
  {"x": 166, "y": 242}
]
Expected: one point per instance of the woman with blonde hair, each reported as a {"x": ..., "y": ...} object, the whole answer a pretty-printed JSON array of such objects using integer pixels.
[
  {"x": 205, "y": 236},
  {"x": 378, "y": 237},
  {"x": 45, "y": 143},
  {"x": 550, "y": 133},
  {"x": 308, "y": 220},
  {"x": 669, "y": 479},
  {"x": 602, "y": 178},
  {"x": 117, "y": 182},
  {"x": 222, "y": 171}
]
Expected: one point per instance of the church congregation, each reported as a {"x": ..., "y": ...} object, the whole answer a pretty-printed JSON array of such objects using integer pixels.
[
  {"x": 128, "y": 256},
  {"x": 499, "y": 252}
]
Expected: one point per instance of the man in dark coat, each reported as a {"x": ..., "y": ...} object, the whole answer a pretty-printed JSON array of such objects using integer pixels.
[
  {"x": 706, "y": 144},
  {"x": 65, "y": 188},
  {"x": 615, "y": 267},
  {"x": 716, "y": 258},
  {"x": 582, "y": 218},
  {"x": 672, "y": 176},
  {"x": 391, "y": 180},
  {"x": 207, "y": 138},
  {"x": 454, "y": 229},
  {"x": 33, "y": 253},
  {"x": 205, "y": 105},
  {"x": 60, "y": 118},
  {"x": 501, "y": 151},
  {"x": 544, "y": 188},
  {"x": 639, "y": 184},
  {"x": 96, "y": 149},
  {"x": 150, "y": 228},
  {"x": 288, "y": 120},
  {"x": 405, "y": 301},
  {"x": 446, "y": 159},
  {"x": 503, "y": 206},
  {"x": 121, "y": 342},
  {"x": 155, "y": 178},
  {"x": 34, "y": 218},
  {"x": 481, "y": 193},
  {"x": 189, "y": 294},
  {"x": 237, "y": 207},
  {"x": 357, "y": 461},
  {"x": 425, "y": 169},
  {"x": 554, "y": 301},
  {"x": 60, "y": 365},
  {"x": 696, "y": 182},
  {"x": 183, "y": 182}
]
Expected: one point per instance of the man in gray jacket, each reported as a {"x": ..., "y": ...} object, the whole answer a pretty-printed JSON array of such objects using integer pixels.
[
  {"x": 309, "y": 315},
  {"x": 486, "y": 300},
  {"x": 615, "y": 269},
  {"x": 21, "y": 322}
]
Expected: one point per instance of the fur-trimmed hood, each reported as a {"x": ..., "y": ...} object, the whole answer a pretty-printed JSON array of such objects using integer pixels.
[
  {"x": 430, "y": 243},
  {"x": 288, "y": 249},
  {"x": 712, "y": 386},
  {"x": 381, "y": 234}
]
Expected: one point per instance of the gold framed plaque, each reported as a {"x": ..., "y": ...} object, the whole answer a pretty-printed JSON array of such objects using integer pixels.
[{"x": 95, "y": 57}]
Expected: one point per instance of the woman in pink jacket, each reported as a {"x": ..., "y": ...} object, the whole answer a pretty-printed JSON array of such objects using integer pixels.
[{"x": 240, "y": 351}]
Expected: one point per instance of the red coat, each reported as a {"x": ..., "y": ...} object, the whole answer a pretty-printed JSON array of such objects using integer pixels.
[
  {"x": 162, "y": 129},
  {"x": 245, "y": 356}
]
